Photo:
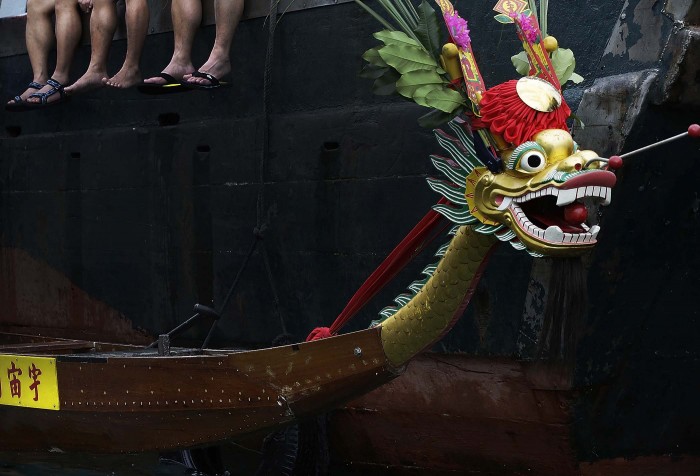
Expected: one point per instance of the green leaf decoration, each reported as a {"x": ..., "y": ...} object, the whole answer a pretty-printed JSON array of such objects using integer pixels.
[
  {"x": 395, "y": 37},
  {"x": 386, "y": 84},
  {"x": 372, "y": 57},
  {"x": 576, "y": 78},
  {"x": 437, "y": 118},
  {"x": 406, "y": 58},
  {"x": 428, "y": 89},
  {"x": 521, "y": 63},
  {"x": 505, "y": 19},
  {"x": 564, "y": 64},
  {"x": 428, "y": 31},
  {"x": 369, "y": 71},
  {"x": 412, "y": 81},
  {"x": 405, "y": 66},
  {"x": 445, "y": 99},
  {"x": 420, "y": 95}
]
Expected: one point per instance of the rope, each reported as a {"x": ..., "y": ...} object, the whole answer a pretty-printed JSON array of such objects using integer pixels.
[
  {"x": 417, "y": 239},
  {"x": 260, "y": 225},
  {"x": 267, "y": 81},
  {"x": 265, "y": 154}
]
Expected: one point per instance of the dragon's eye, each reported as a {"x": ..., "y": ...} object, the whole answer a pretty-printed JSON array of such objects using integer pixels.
[
  {"x": 528, "y": 157},
  {"x": 532, "y": 161}
]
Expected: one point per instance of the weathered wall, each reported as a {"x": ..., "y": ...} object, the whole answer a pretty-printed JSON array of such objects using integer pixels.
[{"x": 640, "y": 347}]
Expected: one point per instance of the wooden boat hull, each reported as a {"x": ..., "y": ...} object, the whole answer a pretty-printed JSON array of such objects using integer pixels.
[
  {"x": 451, "y": 412},
  {"x": 491, "y": 416},
  {"x": 121, "y": 401}
]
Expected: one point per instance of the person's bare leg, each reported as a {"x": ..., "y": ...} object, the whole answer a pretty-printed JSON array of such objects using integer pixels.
[
  {"x": 187, "y": 15},
  {"x": 39, "y": 37},
  {"x": 228, "y": 14},
  {"x": 137, "y": 16},
  {"x": 68, "y": 31},
  {"x": 103, "y": 24}
]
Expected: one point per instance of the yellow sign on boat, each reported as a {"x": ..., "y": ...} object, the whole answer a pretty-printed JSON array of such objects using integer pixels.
[{"x": 27, "y": 381}]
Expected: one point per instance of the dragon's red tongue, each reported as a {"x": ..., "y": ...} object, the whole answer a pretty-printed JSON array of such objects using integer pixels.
[
  {"x": 544, "y": 213},
  {"x": 575, "y": 213}
]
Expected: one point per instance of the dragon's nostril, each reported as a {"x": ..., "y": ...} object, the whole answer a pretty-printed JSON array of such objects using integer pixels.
[{"x": 577, "y": 166}]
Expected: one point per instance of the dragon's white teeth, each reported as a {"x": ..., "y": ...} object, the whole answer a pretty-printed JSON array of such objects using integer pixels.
[
  {"x": 566, "y": 196},
  {"x": 554, "y": 234},
  {"x": 505, "y": 203},
  {"x": 595, "y": 229}
]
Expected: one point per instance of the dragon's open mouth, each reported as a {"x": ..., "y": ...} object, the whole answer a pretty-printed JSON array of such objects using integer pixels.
[{"x": 557, "y": 216}]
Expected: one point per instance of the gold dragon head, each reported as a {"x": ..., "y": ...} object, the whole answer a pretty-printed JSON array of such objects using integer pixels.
[{"x": 538, "y": 196}]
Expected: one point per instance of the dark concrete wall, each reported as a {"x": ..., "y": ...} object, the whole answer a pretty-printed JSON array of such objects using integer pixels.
[{"x": 174, "y": 205}]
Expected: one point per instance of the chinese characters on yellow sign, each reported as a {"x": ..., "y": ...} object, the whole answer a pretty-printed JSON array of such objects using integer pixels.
[{"x": 27, "y": 381}]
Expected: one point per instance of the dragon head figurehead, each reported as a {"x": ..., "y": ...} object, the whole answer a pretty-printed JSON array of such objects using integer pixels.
[
  {"x": 546, "y": 179},
  {"x": 538, "y": 194},
  {"x": 541, "y": 195},
  {"x": 527, "y": 181}
]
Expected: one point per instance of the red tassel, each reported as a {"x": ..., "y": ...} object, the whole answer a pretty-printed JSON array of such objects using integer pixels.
[
  {"x": 505, "y": 114},
  {"x": 319, "y": 333},
  {"x": 421, "y": 235}
]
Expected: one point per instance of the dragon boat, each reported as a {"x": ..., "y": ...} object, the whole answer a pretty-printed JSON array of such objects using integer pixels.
[
  {"x": 511, "y": 173},
  {"x": 55, "y": 384}
]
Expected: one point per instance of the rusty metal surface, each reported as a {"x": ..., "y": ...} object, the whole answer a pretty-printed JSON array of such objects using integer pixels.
[
  {"x": 34, "y": 296},
  {"x": 450, "y": 412},
  {"x": 12, "y": 28},
  {"x": 124, "y": 404}
]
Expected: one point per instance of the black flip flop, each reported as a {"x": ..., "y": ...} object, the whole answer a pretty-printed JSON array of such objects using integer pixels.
[
  {"x": 214, "y": 83},
  {"x": 20, "y": 104},
  {"x": 170, "y": 86}
]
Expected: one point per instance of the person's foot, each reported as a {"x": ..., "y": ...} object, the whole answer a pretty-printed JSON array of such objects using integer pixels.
[
  {"x": 89, "y": 81},
  {"x": 53, "y": 91},
  {"x": 125, "y": 78},
  {"x": 176, "y": 70},
  {"x": 34, "y": 87},
  {"x": 216, "y": 68}
]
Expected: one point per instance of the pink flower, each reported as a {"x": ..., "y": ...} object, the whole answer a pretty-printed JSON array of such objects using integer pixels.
[
  {"x": 458, "y": 28},
  {"x": 531, "y": 31}
]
